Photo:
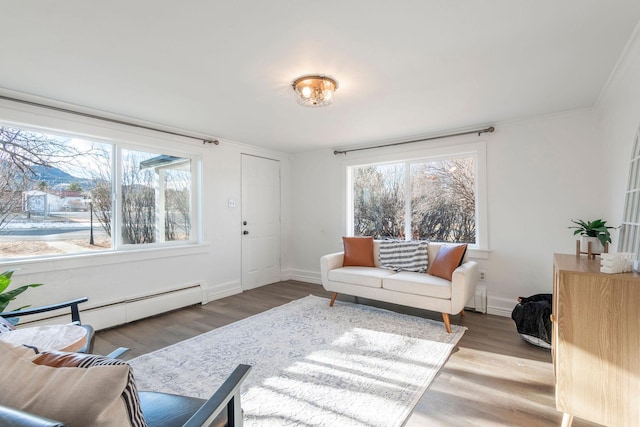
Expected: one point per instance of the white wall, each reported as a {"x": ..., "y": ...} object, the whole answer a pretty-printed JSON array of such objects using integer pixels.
[
  {"x": 112, "y": 277},
  {"x": 542, "y": 172}
]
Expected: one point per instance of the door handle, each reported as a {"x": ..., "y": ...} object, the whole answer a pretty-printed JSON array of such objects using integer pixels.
[{"x": 245, "y": 232}]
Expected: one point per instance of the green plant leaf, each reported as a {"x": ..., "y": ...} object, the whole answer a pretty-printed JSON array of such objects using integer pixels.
[
  {"x": 7, "y": 297},
  {"x": 596, "y": 228},
  {"x": 5, "y": 279}
]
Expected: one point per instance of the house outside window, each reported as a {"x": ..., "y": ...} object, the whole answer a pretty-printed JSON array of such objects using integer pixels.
[
  {"x": 67, "y": 194},
  {"x": 434, "y": 196}
]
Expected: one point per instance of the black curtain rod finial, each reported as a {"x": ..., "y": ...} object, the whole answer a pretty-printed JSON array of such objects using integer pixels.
[{"x": 489, "y": 129}]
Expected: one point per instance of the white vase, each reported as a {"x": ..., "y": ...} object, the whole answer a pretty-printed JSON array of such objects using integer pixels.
[{"x": 596, "y": 246}]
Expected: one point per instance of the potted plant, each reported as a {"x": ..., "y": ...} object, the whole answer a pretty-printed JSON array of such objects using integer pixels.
[
  {"x": 7, "y": 297},
  {"x": 596, "y": 232}
]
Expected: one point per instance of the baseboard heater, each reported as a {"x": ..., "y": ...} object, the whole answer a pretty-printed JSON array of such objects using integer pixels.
[
  {"x": 130, "y": 309},
  {"x": 478, "y": 302}
]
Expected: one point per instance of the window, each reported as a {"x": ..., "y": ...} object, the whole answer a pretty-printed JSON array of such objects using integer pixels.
[
  {"x": 435, "y": 198},
  {"x": 156, "y": 197},
  {"x": 630, "y": 229},
  {"x": 379, "y": 200},
  {"x": 64, "y": 194}
]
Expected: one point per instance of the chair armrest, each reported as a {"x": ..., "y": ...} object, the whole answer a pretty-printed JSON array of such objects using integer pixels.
[
  {"x": 329, "y": 262},
  {"x": 226, "y": 396},
  {"x": 115, "y": 354},
  {"x": 10, "y": 417},
  {"x": 75, "y": 314},
  {"x": 463, "y": 284}
]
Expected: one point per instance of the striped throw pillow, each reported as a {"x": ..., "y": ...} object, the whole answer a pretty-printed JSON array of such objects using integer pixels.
[
  {"x": 130, "y": 396},
  {"x": 403, "y": 255}
]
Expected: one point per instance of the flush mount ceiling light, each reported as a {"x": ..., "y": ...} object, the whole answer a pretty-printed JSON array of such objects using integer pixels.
[{"x": 315, "y": 91}]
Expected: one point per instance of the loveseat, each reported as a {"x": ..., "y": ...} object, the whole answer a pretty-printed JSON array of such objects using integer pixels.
[{"x": 447, "y": 294}]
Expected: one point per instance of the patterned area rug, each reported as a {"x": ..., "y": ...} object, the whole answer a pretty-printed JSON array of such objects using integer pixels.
[{"x": 313, "y": 365}]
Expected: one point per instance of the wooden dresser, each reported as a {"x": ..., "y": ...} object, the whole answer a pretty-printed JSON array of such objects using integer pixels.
[{"x": 596, "y": 342}]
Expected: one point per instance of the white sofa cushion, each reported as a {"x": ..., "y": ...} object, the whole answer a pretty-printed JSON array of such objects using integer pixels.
[
  {"x": 363, "y": 276},
  {"x": 418, "y": 284}
]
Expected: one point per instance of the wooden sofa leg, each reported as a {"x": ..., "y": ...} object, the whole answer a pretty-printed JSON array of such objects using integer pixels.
[
  {"x": 447, "y": 324},
  {"x": 333, "y": 299},
  {"x": 462, "y": 312}
]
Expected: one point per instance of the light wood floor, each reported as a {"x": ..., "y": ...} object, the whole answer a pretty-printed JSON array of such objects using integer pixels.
[{"x": 493, "y": 378}]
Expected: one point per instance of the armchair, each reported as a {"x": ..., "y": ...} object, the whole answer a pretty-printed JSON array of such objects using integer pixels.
[
  {"x": 107, "y": 387},
  {"x": 163, "y": 409},
  {"x": 75, "y": 317}
]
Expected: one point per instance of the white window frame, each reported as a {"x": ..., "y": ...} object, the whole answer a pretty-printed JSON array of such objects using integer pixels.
[
  {"x": 477, "y": 150},
  {"x": 146, "y": 141}
]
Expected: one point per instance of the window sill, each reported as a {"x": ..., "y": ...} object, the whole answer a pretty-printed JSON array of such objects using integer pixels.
[
  {"x": 481, "y": 254},
  {"x": 65, "y": 262}
]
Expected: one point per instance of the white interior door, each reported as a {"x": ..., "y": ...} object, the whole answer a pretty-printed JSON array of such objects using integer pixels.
[{"x": 260, "y": 221}]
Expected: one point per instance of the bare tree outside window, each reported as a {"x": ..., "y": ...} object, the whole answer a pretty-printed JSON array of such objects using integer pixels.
[
  {"x": 102, "y": 190},
  {"x": 177, "y": 205},
  {"x": 442, "y": 205},
  {"x": 27, "y": 150},
  {"x": 138, "y": 200},
  {"x": 378, "y": 201},
  {"x": 12, "y": 186},
  {"x": 443, "y": 201},
  {"x": 24, "y": 155},
  {"x": 156, "y": 198}
]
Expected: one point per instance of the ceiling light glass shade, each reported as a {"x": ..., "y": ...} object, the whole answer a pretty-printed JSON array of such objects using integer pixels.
[{"x": 315, "y": 91}]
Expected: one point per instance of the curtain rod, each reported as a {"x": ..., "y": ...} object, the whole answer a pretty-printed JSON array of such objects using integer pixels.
[
  {"x": 106, "y": 119},
  {"x": 479, "y": 132}
]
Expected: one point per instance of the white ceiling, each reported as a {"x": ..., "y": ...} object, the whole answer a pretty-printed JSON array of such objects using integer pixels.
[{"x": 405, "y": 68}]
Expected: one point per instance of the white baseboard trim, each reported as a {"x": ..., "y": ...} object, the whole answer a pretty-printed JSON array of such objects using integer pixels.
[
  {"x": 223, "y": 290},
  {"x": 500, "y": 306},
  {"x": 302, "y": 276}
]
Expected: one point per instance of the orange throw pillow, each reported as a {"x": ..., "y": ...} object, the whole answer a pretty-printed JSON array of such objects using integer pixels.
[
  {"x": 358, "y": 251},
  {"x": 448, "y": 258}
]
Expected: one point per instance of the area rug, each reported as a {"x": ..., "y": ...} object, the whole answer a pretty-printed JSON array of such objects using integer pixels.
[{"x": 313, "y": 365}]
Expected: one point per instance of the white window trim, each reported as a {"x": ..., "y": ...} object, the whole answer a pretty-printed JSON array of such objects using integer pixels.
[
  {"x": 478, "y": 150},
  {"x": 120, "y": 136}
]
